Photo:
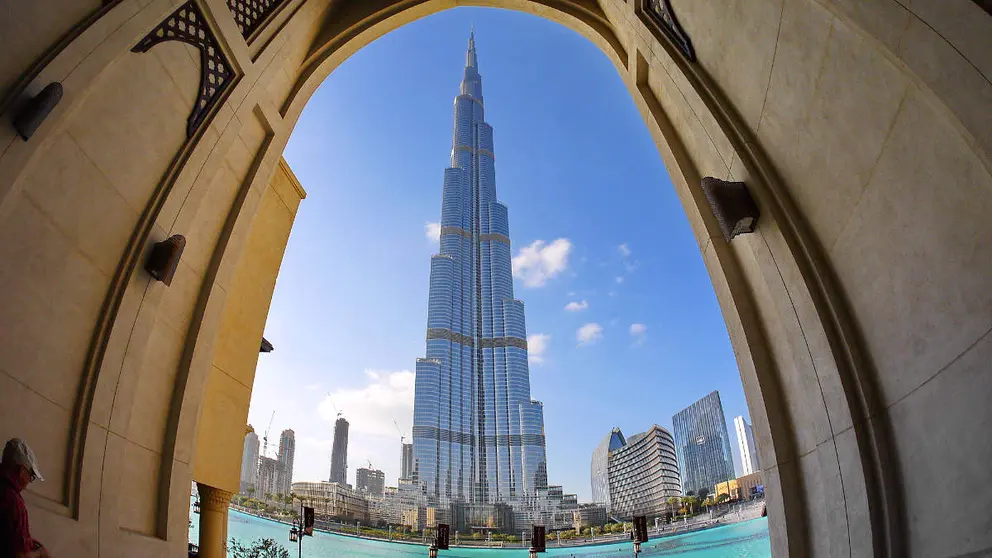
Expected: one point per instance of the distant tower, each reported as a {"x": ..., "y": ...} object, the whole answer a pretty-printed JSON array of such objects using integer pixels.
[
  {"x": 745, "y": 442},
  {"x": 339, "y": 453},
  {"x": 407, "y": 465},
  {"x": 703, "y": 445},
  {"x": 287, "y": 451},
  {"x": 249, "y": 462}
]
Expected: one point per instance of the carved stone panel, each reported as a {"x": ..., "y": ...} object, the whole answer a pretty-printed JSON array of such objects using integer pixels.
[
  {"x": 661, "y": 13},
  {"x": 188, "y": 25},
  {"x": 251, "y": 14}
]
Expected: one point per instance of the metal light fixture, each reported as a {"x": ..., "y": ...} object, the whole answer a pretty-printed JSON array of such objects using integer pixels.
[
  {"x": 196, "y": 506},
  {"x": 266, "y": 346},
  {"x": 293, "y": 534},
  {"x": 732, "y": 206},
  {"x": 35, "y": 111},
  {"x": 164, "y": 259}
]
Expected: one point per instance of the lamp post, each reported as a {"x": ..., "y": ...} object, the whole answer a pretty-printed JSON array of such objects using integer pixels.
[{"x": 296, "y": 532}]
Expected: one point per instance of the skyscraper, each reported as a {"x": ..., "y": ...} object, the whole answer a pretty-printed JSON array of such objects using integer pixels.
[
  {"x": 745, "y": 443},
  {"x": 407, "y": 464},
  {"x": 339, "y": 453},
  {"x": 249, "y": 462},
  {"x": 287, "y": 452},
  {"x": 477, "y": 435},
  {"x": 702, "y": 444}
]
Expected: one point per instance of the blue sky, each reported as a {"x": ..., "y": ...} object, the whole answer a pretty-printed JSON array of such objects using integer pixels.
[{"x": 594, "y": 221}]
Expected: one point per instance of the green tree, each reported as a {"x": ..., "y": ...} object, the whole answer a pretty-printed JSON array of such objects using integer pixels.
[
  {"x": 723, "y": 498},
  {"x": 262, "y": 548},
  {"x": 703, "y": 492}
]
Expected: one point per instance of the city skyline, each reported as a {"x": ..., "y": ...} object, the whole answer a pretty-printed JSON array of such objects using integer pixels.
[
  {"x": 478, "y": 437},
  {"x": 587, "y": 266}
]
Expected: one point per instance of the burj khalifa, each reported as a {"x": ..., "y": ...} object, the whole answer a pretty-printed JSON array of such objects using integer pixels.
[{"x": 478, "y": 437}]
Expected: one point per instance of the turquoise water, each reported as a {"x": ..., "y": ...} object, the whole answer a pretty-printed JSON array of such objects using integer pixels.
[{"x": 741, "y": 540}]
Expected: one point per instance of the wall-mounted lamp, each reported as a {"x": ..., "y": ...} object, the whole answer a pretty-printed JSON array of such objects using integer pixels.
[
  {"x": 732, "y": 206},
  {"x": 164, "y": 259},
  {"x": 266, "y": 346},
  {"x": 34, "y": 112}
]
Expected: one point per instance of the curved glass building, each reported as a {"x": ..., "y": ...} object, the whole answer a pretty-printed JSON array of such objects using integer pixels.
[
  {"x": 477, "y": 435},
  {"x": 644, "y": 474},
  {"x": 599, "y": 469}
]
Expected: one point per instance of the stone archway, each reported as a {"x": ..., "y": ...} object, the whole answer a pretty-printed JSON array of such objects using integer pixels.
[{"x": 859, "y": 309}]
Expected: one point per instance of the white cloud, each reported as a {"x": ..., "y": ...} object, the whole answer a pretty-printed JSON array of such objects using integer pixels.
[
  {"x": 537, "y": 344},
  {"x": 537, "y": 263},
  {"x": 619, "y": 279},
  {"x": 638, "y": 329},
  {"x": 624, "y": 250},
  {"x": 576, "y": 306},
  {"x": 589, "y": 333},
  {"x": 372, "y": 408},
  {"x": 433, "y": 232},
  {"x": 612, "y": 293}
]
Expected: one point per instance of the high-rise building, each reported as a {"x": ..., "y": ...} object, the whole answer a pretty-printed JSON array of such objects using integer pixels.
[
  {"x": 269, "y": 477},
  {"x": 249, "y": 462},
  {"x": 477, "y": 435},
  {"x": 600, "y": 467},
  {"x": 745, "y": 443},
  {"x": 644, "y": 474},
  {"x": 287, "y": 452},
  {"x": 407, "y": 465},
  {"x": 339, "y": 453},
  {"x": 703, "y": 445},
  {"x": 371, "y": 481}
]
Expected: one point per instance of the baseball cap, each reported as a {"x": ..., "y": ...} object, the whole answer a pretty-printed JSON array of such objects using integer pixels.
[{"x": 18, "y": 451}]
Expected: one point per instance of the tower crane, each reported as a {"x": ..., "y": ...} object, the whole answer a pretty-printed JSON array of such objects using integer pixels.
[
  {"x": 335, "y": 407},
  {"x": 265, "y": 438},
  {"x": 398, "y": 431}
]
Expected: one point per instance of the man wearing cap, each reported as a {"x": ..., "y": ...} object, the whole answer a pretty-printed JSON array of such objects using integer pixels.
[{"x": 18, "y": 469}]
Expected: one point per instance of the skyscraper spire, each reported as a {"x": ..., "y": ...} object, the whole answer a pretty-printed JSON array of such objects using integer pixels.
[
  {"x": 472, "y": 81},
  {"x": 470, "y": 59}
]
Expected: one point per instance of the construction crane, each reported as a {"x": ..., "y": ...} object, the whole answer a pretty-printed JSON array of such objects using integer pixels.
[
  {"x": 335, "y": 407},
  {"x": 398, "y": 431},
  {"x": 265, "y": 438}
]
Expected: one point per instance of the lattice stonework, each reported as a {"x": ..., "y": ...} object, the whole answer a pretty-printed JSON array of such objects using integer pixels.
[
  {"x": 250, "y": 14},
  {"x": 661, "y": 11},
  {"x": 188, "y": 25}
]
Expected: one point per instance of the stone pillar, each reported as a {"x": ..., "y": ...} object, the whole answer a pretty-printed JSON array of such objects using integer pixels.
[{"x": 213, "y": 521}]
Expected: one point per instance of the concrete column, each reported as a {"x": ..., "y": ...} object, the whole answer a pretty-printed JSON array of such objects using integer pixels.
[{"x": 213, "y": 521}]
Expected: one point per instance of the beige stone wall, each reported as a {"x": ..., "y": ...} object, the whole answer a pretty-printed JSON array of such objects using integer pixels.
[
  {"x": 224, "y": 412},
  {"x": 859, "y": 311}
]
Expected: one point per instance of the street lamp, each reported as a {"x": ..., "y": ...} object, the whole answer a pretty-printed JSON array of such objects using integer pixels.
[{"x": 302, "y": 525}]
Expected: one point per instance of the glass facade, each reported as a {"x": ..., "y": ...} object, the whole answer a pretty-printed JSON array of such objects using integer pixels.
[
  {"x": 599, "y": 472},
  {"x": 643, "y": 474},
  {"x": 477, "y": 435},
  {"x": 702, "y": 444}
]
